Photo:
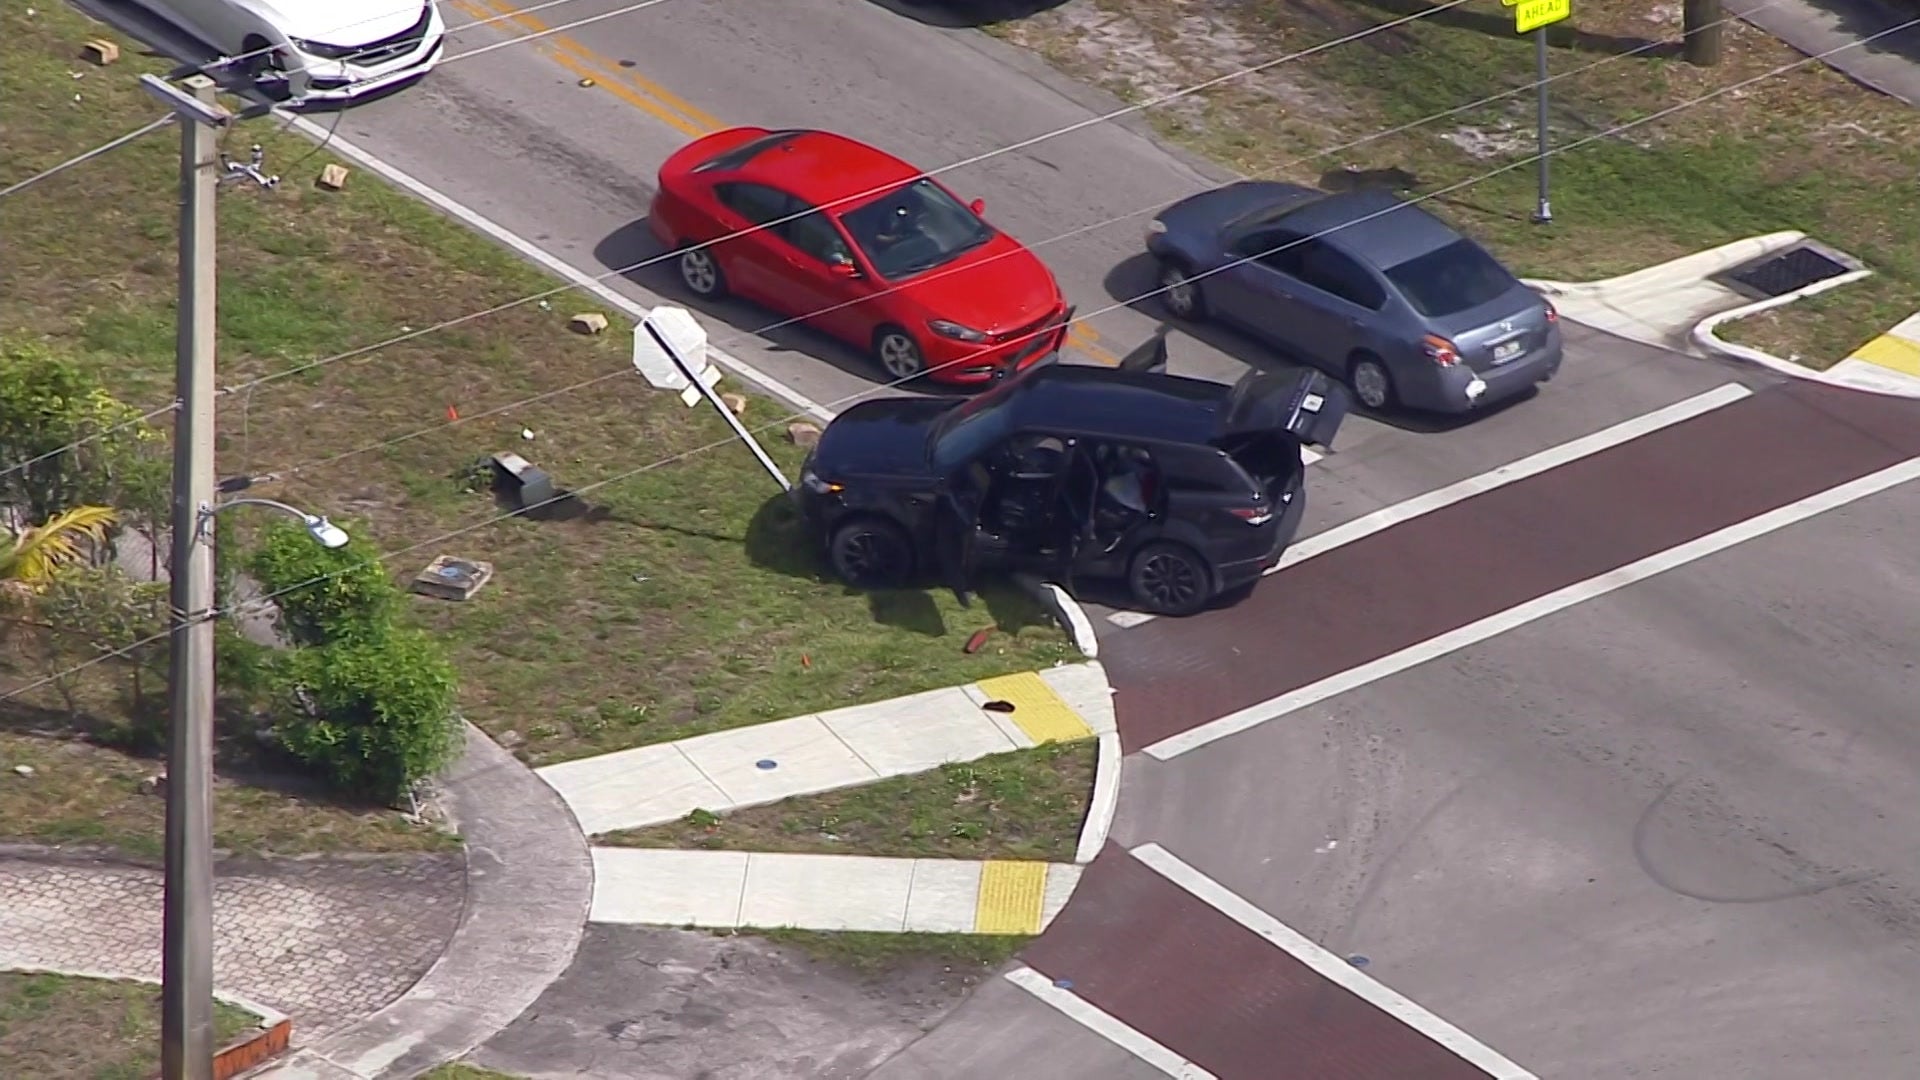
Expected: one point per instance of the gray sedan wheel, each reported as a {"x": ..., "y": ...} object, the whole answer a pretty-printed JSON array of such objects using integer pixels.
[
  {"x": 1371, "y": 382},
  {"x": 1181, "y": 292}
]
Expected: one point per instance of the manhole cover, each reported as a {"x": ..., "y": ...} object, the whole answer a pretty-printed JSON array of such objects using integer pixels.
[{"x": 1778, "y": 275}]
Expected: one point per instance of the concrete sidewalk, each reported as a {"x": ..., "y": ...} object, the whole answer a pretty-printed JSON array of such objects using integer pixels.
[
  {"x": 735, "y": 889},
  {"x": 840, "y": 748}
]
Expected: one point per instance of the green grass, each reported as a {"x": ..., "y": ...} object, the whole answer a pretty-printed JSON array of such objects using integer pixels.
[
  {"x": 91, "y": 796},
  {"x": 1805, "y": 150},
  {"x": 90, "y": 1029},
  {"x": 874, "y": 954},
  {"x": 460, "y": 1070},
  {"x": 686, "y": 601},
  {"x": 1026, "y": 804}
]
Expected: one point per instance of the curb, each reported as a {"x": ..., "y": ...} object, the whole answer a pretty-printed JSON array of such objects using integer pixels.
[
  {"x": 1066, "y": 611},
  {"x": 270, "y": 1039},
  {"x": 1700, "y": 264},
  {"x": 1704, "y": 338},
  {"x": 1105, "y": 799}
]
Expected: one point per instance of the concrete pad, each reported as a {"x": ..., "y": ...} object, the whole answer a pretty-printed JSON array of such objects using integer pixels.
[
  {"x": 1062, "y": 879},
  {"x": 1036, "y": 708},
  {"x": 1002, "y": 721},
  {"x": 1085, "y": 690},
  {"x": 1873, "y": 377},
  {"x": 918, "y": 732},
  {"x": 631, "y": 788},
  {"x": 827, "y": 892},
  {"x": 668, "y": 888},
  {"x": 808, "y": 757},
  {"x": 944, "y": 896}
]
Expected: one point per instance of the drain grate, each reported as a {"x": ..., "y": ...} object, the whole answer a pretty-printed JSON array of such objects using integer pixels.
[{"x": 1777, "y": 275}]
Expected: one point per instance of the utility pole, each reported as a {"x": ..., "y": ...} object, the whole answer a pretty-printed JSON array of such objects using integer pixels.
[
  {"x": 186, "y": 995},
  {"x": 1703, "y": 25}
]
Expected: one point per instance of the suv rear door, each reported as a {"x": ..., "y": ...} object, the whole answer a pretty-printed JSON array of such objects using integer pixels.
[{"x": 1303, "y": 404}]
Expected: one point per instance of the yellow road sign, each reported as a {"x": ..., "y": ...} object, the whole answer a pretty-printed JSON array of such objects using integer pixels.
[{"x": 1534, "y": 14}]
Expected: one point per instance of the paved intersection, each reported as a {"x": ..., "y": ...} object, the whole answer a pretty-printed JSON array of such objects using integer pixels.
[{"x": 1647, "y": 832}]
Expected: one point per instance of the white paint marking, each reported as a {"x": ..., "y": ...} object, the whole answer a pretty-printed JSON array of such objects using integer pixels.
[
  {"x": 1538, "y": 608},
  {"x": 1100, "y": 1023},
  {"x": 1532, "y": 465},
  {"x": 552, "y": 263},
  {"x": 1331, "y": 967}
]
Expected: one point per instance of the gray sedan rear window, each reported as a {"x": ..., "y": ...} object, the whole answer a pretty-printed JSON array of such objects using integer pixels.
[{"x": 1450, "y": 279}]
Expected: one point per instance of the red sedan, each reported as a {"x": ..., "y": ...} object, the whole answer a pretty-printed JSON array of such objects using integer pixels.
[{"x": 862, "y": 247}]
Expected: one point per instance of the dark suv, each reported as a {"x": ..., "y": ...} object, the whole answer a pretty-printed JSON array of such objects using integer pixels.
[{"x": 1183, "y": 488}]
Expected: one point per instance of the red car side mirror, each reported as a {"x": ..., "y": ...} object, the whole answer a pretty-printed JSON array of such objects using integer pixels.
[
  {"x": 978, "y": 206},
  {"x": 844, "y": 270}
]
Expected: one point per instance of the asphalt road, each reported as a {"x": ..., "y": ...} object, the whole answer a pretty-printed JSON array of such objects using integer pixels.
[
  {"x": 1666, "y": 833},
  {"x": 1660, "y": 832}
]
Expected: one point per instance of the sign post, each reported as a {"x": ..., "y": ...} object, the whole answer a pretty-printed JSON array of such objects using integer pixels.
[
  {"x": 1534, "y": 16},
  {"x": 670, "y": 350}
]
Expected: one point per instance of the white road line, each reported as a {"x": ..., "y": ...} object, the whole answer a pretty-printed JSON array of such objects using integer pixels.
[
  {"x": 1532, "y": 465},
  {"x": 1329, "y": 966},
  {"x": 1538, "y": 608},
  {"x": 1100, "y": 1023}
]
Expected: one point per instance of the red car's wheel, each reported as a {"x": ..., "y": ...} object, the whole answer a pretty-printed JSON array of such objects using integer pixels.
[
  {"x": 700, "y": 272},
  {"x": 898, "y": 354}
]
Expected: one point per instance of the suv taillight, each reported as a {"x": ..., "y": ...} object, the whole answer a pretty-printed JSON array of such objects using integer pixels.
[
  {"x": 1440, "y": 350},
  {"x": 1252, "y": 515}
]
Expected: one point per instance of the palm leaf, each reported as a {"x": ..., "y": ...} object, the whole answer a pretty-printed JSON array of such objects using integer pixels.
[{"x": 36, "y": 553}]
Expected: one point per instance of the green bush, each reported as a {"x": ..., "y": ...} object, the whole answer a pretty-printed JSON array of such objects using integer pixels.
[
  {"x": 324, "y": 595},
  {"x": 375, "y": 713},
  {"x": 48, "y": 402}
]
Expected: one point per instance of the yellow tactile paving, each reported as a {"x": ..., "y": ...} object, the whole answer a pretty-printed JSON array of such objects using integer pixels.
[
  {"x": 1888, "y": 351},
  {"x": 1036, "y": 708},
  {"x": 1011, "y": 895}
]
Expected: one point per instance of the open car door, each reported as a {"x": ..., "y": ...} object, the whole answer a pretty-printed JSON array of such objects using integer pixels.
[
  {"x": 1305, "y": 404},
  {"x": 956, "y": 536},
  {"x": 1150, "y": 355}
]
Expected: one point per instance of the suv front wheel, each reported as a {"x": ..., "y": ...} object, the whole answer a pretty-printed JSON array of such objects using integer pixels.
[
  {"x": 871, "y": 553},
  {"x": 1169, "y": 579}
]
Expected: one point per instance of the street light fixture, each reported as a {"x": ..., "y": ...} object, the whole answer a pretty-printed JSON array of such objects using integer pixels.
[
  {"x": 324, "y": 532},
  {"x": 186, "y": 990}
]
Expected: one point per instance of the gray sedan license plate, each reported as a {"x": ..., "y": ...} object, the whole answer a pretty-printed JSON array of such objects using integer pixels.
[{"x": 1506, "y": 351}]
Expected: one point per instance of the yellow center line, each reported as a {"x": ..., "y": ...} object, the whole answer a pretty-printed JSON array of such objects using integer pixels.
[
  {"x": 606, "y": 74},
  {"x": 1086, "y": 338}
]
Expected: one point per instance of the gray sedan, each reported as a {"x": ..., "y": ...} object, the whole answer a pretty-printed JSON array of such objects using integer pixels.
[{"x": 1365, "y": 286}]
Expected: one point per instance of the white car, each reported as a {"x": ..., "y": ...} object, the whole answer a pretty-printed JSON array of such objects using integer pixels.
[{"x": 321, "y": 50}]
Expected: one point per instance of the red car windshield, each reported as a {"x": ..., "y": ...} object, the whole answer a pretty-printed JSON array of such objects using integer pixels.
[{"x": 914, "y": 229}]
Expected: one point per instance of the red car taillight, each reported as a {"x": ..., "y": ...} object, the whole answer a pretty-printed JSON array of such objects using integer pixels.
[
  {"x": 1440, "y": 350},
  {"x": 1252, "y": 515}
]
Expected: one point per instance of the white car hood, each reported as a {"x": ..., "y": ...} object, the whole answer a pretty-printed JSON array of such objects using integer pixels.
[{"x": 343, "y": 22}]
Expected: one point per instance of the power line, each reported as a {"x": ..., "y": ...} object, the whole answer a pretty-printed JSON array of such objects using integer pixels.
[
  {"x": 1083, "y": 230},
  {"x": 859, "y": 196},
  {"x": 1610, "y": 132},
  {"x": 104, "y": 148},
  {"x": 332, "y": 459}
]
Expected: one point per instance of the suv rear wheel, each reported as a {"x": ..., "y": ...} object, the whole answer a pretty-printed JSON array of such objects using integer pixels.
[
  {"x": 871, "y": 553},
  {"x": 1169, "y": 579}
]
